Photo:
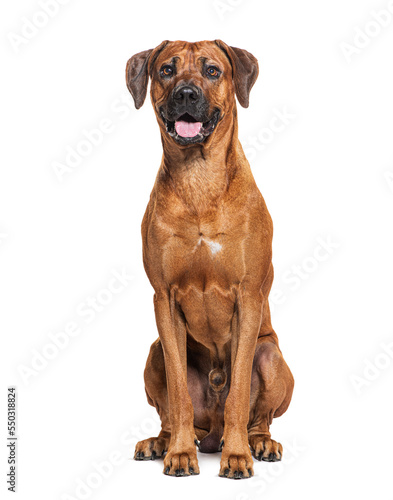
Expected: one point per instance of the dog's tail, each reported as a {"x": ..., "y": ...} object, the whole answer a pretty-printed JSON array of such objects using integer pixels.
[{"x": 211, "y": 442}]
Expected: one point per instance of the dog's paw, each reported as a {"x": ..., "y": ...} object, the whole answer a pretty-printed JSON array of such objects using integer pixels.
[
  {"x": 265, "y": 449},
  {"x": 181, "y": 463},
  {"x": 236, "y": 465},
  {"x": 150, "y": 449}
]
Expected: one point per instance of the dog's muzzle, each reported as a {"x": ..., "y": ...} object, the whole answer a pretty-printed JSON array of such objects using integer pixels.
[{"x": 186, "y": 115}]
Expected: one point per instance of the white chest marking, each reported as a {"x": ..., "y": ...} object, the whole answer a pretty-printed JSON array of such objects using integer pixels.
[{"x": 214, "y": 246}]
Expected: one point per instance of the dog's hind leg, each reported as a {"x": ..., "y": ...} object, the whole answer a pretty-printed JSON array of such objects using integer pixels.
[
  {"x": 271, "y": 391},
  {"x": 156, "y": 392}
]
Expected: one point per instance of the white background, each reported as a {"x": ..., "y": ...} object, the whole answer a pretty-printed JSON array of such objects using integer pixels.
[{"x": 324, "y": 176}]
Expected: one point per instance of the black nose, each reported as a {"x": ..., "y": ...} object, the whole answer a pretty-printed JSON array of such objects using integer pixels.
[{"x": 186, "y": 94}]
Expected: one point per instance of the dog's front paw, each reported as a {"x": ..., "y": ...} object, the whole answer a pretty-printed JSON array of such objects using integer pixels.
[
  {"x": 181, "y": 463},
  {"x": 266, "y": 449},
  {"x": 235, "y": 465}
]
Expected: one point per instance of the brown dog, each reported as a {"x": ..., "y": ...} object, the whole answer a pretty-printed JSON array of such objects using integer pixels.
[{"x": 216, "y": 373}]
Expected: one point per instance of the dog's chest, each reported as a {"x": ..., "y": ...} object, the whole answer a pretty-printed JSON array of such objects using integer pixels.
[
  {"x": 202, "y": 260},
  {"x": 201, "y": 255},
  {"x": 211, "y": 246}
]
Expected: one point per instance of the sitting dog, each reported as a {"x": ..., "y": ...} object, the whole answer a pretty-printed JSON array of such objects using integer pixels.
[{"x": 216, "y": 375}]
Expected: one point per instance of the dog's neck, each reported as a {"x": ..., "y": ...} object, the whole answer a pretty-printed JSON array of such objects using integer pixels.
[{"x": 201, "y": 174}]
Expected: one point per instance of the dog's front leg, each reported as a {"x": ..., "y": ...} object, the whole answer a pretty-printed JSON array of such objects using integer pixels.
[
  {"x": 181, "y": 458},
  {"x": 236, "y": 459}
]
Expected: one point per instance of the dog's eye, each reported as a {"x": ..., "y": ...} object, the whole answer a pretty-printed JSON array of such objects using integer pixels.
[
  {"x": 212, "y": 71},
  {"x": 166, "y": 71}
]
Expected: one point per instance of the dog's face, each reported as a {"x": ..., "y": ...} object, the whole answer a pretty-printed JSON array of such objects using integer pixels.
[
  {"x": 193, "y": 85},
  {"x": 190, "y": 86}
]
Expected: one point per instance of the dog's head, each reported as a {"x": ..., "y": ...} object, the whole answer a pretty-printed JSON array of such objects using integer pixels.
[{"x": 193, "y": 85}]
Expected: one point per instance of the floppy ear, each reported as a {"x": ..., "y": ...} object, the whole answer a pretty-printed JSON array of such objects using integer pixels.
[
  {"x": 244, "y": 70},
  {"x": 137, "y": 73}
]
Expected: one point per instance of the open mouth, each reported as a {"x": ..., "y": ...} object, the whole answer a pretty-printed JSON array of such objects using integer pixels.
[{"x": 188, "y": 130}]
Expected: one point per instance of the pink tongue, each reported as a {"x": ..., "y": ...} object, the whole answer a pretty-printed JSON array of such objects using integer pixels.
[{"x": 187, "y": 129}]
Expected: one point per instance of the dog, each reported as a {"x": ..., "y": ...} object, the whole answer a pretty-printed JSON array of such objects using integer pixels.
[{"x": 215, "y": 375}]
